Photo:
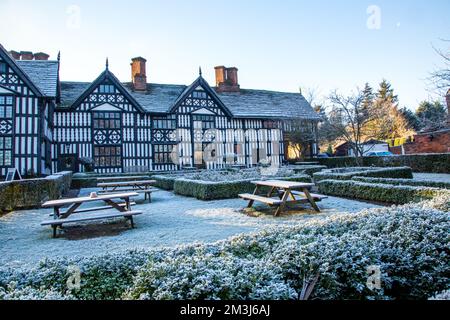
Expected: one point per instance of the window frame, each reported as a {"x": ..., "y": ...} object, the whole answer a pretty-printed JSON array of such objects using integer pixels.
[
  {"x": 162, "y": 153},
  {"x": 107, "y": 155},
  {"x": 7, "y": 102}
]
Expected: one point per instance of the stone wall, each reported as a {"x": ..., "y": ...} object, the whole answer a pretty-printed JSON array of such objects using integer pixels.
[{"x": 31, "y": 193}]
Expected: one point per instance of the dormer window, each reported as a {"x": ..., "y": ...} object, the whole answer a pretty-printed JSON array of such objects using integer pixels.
[{"x": 106, "y": 88}]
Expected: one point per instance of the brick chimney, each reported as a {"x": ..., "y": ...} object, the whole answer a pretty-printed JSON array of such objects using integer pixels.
[
  {"x": 41, "y": 56},
  {"x": 138, "y": 74},
  {"x": 16, "y": 55},
  {"x": 447, "y": 98},
  {"x": 26, "y": 55},
  {"x": 227, "y": 79}
]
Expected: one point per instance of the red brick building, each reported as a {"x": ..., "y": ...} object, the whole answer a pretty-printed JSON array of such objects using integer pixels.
[{"x": 429, "y": 142}]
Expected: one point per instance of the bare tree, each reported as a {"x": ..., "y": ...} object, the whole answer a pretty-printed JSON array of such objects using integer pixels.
[
  {"x": 300, "y": 136},
  {"x": 440, "y": 78},
  {"x": 349, "y": 118}
]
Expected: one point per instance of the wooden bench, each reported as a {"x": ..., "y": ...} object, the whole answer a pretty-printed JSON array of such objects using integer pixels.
[
  {"x": 123, "y": 205},
  {"x": 316, "y": 197},
  {"x": 59, "y": 222},
  {"x": 253, "y": 197},
  {"x": 147, "y": 193},
  {"x": 124, "y": 178}
]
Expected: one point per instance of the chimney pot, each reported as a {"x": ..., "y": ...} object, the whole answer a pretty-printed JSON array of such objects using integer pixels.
[
  {"x": 16, "y": 55},
  {"x": 139, "y": 74},
  {"x": 26, "y": 55},
  {"x": 227, "y": 79},
  {"x": 41, "y": 56}
]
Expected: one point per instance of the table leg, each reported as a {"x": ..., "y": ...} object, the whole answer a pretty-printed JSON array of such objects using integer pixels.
[
  {"x": 250, "y": 203},
  {"x": 127, "y": 204},
  {"x": 71, "y": 210},
  {"x": 310, "y": 199},
  {"x": 281, "y": 207}
]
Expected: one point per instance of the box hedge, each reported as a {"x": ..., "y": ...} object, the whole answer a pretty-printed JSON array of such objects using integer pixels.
[
  {"x": 31, "y": 193},
  {"x": 406, "y": 182},
  {"x": 211, "y": 190},
  {"x": 349, "y": 173},
  {"x": 308, "y": 169},
  {"x": 432, "y": 163},
  {"x": 165, "y": 182},
  {"x": 387, "y": 193}
]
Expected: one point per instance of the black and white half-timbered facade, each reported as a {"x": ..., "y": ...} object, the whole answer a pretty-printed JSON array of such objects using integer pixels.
[{"x": 47, "y": 125}]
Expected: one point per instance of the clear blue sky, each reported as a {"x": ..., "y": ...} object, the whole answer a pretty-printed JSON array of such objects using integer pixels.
[{"x": 277, "y": 45}]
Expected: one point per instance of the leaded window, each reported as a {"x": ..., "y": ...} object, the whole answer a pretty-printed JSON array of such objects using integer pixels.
[
  {"x": 164, "y": 122},
  {"x": 199, "y": 95},
  {"x": 107, "y": 120},
  {"x": 204, "y": 122},
  {"x": 107, "y": 156},
  {"x": 6, "y": 130},
  {"x": 162, "y": 153},
  {"x": 106, "y": 88}
]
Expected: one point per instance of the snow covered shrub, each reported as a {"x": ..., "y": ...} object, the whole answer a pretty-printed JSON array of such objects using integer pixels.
[
  {"x": 102, "y": 277},
  {"x": 408, "y": 244},
  {"x": 164, "y": 182},
  {"x": 207, "y": 190},
  {"x": 309, "y": 169},
  {"x": 444, "y": 295},
  {"x": 378, "y": 192},
  {"x": 205, "y": 276},
  {"x": 406, "y": 182},
  {"x": 349, "y": 173}
]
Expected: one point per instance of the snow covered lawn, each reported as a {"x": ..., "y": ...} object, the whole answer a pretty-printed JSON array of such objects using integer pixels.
[
  {"x": 439, "y": 177},
  {"x": 170, "y": 220}
]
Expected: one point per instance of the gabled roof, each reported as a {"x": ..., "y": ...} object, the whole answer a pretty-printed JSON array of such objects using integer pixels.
[
  {"x": 18, "y": 70},
  {"x": 43, "y": 73},
  {"x": 200, "y": 82},
  {"x": 249, "y": 103},
  {"x": 87, "y": 89}
]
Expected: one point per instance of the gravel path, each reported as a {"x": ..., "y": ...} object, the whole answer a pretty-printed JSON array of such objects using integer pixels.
[{"x": 169, "y": 221}]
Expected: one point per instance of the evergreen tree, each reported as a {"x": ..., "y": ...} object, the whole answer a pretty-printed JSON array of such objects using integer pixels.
[
  {"x": 411, "y": 118},
  {"x": 432, "y": 115}
]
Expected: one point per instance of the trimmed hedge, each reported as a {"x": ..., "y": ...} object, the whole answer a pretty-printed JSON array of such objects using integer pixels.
[
  {"x": 405, "y": 182},
  {"x": 308, "y": 169},
  {"x": 165, "y": 182},
  {"x": 207, "y": 190},
  {"x": 386, "y": 193},
  {"x": 432, "y": 163},
  {"x": 31, "y": 193},
  {"x": 349, "y": 173}
]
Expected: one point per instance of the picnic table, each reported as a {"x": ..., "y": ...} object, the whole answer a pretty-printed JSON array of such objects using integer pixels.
[
  {"x": 121, "y": 178},
  {"x": 60, "y": 218},
  {"x": 139, "y": 186},
  {"x": 286, "y": 192}
]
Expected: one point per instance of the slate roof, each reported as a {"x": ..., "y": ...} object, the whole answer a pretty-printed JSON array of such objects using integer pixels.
[
  {"x": 160, "y": 98},
  {"x": 43, "y": 73}
]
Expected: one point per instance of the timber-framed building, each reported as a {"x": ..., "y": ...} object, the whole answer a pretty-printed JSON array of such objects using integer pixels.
[{"x": 48, "y": 125}]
